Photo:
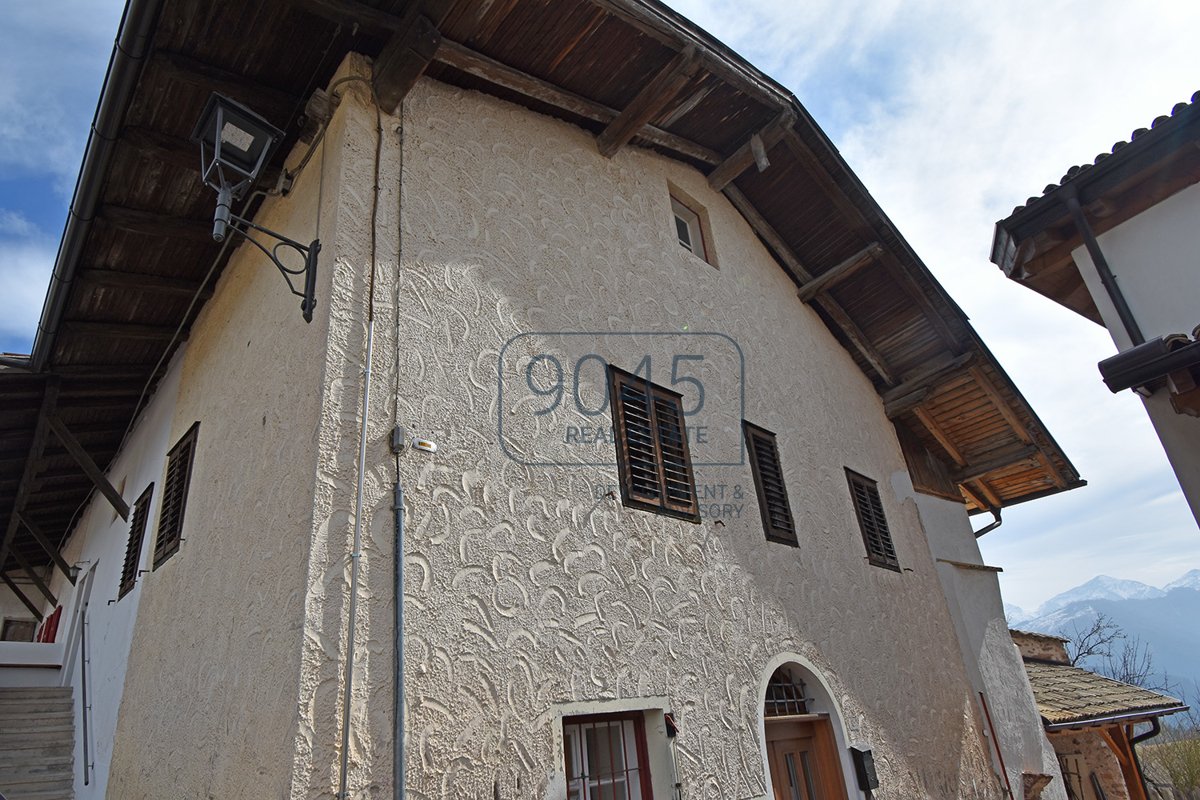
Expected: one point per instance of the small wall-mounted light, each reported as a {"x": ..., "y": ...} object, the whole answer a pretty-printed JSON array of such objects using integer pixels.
[{"x": 235, "y": 145}]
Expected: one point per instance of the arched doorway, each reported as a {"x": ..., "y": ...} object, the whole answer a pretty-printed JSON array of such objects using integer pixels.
[{"x": 802, "y": 753}]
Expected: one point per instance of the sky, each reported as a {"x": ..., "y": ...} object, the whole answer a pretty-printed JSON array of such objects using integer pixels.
[{"x": 951, "y": 112}]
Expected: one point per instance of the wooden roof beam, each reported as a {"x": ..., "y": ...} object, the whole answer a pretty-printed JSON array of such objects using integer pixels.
[
  {"x": 33, "y": 576},
  {"x": 175, "y": 151},
  {"x": 88, "y": 466},
  {"x": 37, "y": 612},
  {"x": 151, "y": 223},
  {"x": 974, "y": 497},
  {"x": 831, "y": 277},
  {"x": 754, "y": 151},
  {"x": 1007, "y": 457},
  {"x": 404, "y": 60},
  {"x": 119, "y": 330},
  {"x": 41, "y": 432},
  {"x": 462, "y": 58},
  {"x": 800, "y": 274},
  {"x": 929, "y": 376},
  {"x": 50, "y": 549},
  {"x": 937, "y": 433},
  {"x": 653, "y": 98},
  {"x": 142, "y": 282},
  {"x": 266, "y": 100}
]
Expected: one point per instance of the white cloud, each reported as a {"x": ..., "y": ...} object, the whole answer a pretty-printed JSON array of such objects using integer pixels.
[
  {"x": 14, "y": 223},
  {"x": 952, "y": 114},
  {"x": 23, "y": 279}
]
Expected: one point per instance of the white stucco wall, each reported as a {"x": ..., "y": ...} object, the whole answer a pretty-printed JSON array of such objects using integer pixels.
[
  {"x": 528, "y": 588},
  {"x": 992, "y": 661},
  {"x": 1153, "y": 256}
]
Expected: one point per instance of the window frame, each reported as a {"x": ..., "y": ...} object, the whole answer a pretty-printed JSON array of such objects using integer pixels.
[
  {"x": 654, "y": 394},
  {"x": 682, "y": 212},
  {"x": 180, "y": 461},
  {"x": 645, "y": 784},
  {"x": 753, "y": 434},
  {"x": 137, "y": 537},
  {"x": 884, "y": 555}
]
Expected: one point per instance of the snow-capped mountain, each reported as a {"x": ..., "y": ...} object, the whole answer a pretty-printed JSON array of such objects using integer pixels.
[
  {"x": 1189, "y": 580},
  {"x": 1015, "y": 615},
  {"x": 1103, "y": 587}
]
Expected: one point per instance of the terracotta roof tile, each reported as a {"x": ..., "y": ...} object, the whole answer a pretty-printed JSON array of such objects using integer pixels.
[{"x": 1066, "y": 694}]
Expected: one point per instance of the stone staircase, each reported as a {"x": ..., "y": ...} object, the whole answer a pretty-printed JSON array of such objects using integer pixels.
[{"x": 37, "y": 744}]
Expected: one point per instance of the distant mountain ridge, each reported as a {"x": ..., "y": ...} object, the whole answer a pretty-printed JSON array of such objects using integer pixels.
[{"x": 1163, "y": 619}]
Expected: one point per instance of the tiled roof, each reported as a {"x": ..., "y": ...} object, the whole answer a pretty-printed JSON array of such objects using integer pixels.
[
  {"x": 1179, "y": 109},
  {"x": 1066, "y": 694}
]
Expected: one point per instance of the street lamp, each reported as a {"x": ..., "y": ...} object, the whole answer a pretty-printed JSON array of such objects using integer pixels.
[{"x": 235, "y": 144}]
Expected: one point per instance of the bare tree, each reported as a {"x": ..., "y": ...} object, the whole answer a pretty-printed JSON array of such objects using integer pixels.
[
  {"x": 1134, "y": 664},
  {"x": 1092, "y": 641}
]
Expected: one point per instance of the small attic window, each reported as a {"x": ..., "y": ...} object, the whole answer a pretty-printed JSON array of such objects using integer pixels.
[{"x": 691, "y": 227}]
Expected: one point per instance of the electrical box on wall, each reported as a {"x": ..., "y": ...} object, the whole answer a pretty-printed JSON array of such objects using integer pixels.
[{"x": 864, "y": 767}]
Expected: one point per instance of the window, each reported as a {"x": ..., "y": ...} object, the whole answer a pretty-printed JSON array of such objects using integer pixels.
[
  {"x": 768, "y": 480},
  {"x": 785, "y": 695},
  {"x": 691, "y": 226},
  {"x": 652, "y": 450},
  {"x": 605, "y": 756},
  {"x": 133, "y": 550},
  {"x": 18, "y": 630},
  {"x": 175, "y": 488},
  {"x": 869, "y": 509}
]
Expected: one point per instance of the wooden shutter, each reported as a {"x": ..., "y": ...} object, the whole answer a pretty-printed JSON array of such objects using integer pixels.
[
  {"x": 869, "y": 508},
  {"x": 174, "y": 502},
  {"x": 133, "y": 550},
  {"x": 768, "y": 481},
  {"x": 652, "y": 451}
]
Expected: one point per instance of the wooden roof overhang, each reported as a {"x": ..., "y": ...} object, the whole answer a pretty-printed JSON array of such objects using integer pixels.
[
  {"x": 1033, "y": 245},
  {"x": 130, "y": 281}
]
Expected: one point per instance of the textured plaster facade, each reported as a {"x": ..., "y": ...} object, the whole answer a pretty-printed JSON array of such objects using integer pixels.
[
  {"x": 529, "y": 590},
  {"x": 501, "y": 237}
]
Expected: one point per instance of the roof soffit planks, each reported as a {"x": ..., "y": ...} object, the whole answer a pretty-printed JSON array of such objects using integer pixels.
[{"x": 631, "y": 68}]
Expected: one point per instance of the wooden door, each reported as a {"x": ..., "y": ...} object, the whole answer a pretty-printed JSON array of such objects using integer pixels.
[{"x": 803, "y": 760}]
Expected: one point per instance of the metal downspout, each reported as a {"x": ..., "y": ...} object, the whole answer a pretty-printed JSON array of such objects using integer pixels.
[
  {"x": 398, "y": 677},
  {"x": 124, "y": 69},
  {"x": 991, "y": 526},
  {"x": 1071, "y": 199}
]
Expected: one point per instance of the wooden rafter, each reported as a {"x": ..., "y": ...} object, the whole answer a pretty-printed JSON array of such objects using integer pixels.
[
  {"x": 754, "y": 151},
  {"x": 182, "y": 68},
  {"x": 651, "y": 100},
  {"x": 41, "y": 433},
  {"x": 929, "y": 376},
  {"x": 1006, "y": 457},
  {"x": 464, "y": 59},
  {"x": 88, "y": 465},
  {"x": 50, "y": 549},
  {"x": 28, "y": 569},
  {"x": 800, "y": 274},
  {"x": 33, "y": 609},
  {"x": 151, "y": 223},
  {"x": 937, "y": 433},
  {"x": 831, "y": 277},
  {"x": 141, "y": 282},
  {"x": 118, "y": 330},
  {"x": 404, "y": 60},
  {"x": 178, "y": 152},
  {"x": 973, "y": 496}
]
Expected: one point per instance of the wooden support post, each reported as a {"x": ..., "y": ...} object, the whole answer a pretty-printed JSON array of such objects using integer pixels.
[
  {"x": 50, "y": 549},
  {"x": 749, "y": 153},
  {"x": 826, "y": 280},
  {"x": 37, "y": 612},
  {"x": 1006, "y": 458},
  {"x": 41, "y": 432},
  {"x": 650, "y": 101},
  {"x": 488, "y": 69},
  {"x": 403, "y": 61},
  {"x": 89, "y": 467},
  {"x": 33, "y": 576}
]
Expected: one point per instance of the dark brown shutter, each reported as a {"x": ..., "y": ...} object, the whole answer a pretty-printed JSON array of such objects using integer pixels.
[
  {"x": 174, "y": 502},
  {"x": 133, "y": 550},
  {"x": 652, "y": 451},
  {"x": 768, "y": 481},
  {"x": 869, "y": 508}
]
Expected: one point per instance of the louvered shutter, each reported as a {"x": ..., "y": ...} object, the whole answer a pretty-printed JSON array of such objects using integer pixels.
[
  {"x": 133, "y": 549},
  {"x": 174, "y": 502},
  {"x": 652, "y": 452},
  {"x": 778, "y": 524},
  {"x": 869, "y": 508}
]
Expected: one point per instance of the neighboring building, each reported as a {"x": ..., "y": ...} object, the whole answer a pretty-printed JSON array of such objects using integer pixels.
[
  {"x": 685, "y": 533},
  {"x": 1090, "y": 720},
  {"x": 1116, "y": 242}
]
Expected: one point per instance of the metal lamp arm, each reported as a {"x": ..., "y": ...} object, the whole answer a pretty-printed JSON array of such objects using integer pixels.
[{"x": 310, "y": 252}]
